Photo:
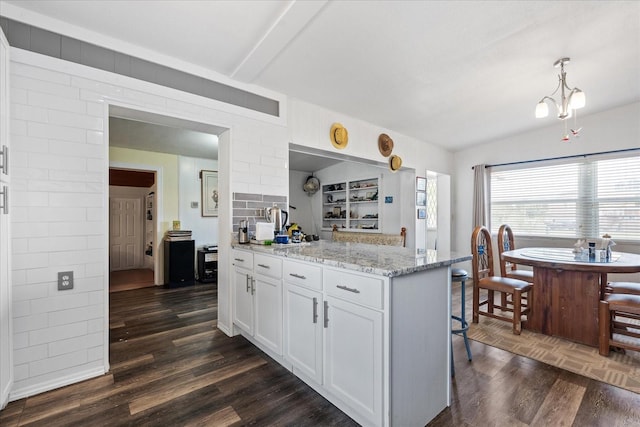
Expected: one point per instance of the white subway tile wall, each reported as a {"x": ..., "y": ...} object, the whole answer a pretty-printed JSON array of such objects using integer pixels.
[{"x": 60, "y": 173}]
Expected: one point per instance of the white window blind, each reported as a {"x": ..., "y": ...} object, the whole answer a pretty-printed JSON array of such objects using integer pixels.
[{"x": 580, "y": 199}]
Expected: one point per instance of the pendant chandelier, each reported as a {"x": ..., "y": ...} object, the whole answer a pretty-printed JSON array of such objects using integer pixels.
[{"x": 570, "y": 100}]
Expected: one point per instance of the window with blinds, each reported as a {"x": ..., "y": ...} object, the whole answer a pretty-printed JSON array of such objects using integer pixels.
[{"x": 581, "y": 199}]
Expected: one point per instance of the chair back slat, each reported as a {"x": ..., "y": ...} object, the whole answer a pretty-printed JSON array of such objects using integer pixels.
[
  {"x": 506, "y": 243},
  {"x": 482, "y": 251}
]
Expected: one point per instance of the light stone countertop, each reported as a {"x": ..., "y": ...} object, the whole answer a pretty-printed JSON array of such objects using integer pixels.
[{"x": 380, "y": 260}]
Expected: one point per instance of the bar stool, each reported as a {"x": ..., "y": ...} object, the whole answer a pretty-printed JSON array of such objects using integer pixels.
[{"x": 460, "y": 275}]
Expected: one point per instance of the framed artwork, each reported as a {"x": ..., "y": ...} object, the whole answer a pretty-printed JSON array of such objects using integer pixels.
[
  {"x": 209, "y": 189},
  {"x": 422, "y": 213},
  {"x": 421, "y": 198},
  {"x": 421, "y": 183}
]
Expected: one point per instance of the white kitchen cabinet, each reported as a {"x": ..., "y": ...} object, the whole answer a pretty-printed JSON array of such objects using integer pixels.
[
  {"x": 353, "y": 344},
  {"x": 303, "y": 319},
  {"x": 268, "y": 312},
  {"x": 6, "y": 329},
  {"x": 243, "y": 290},
  {"x": 357, "y": 338},
  {"x": 258, "y": 298}
]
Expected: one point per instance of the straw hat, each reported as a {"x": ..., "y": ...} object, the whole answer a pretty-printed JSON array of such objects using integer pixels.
[
  {"x": 339, "y": 136},
  {"x": 395, "y": 163},
  {"x": 385, "y": 144}
]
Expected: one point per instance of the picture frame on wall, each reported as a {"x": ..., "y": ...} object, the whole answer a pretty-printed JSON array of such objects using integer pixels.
[
  {"x": 421, "y": 183},
  {"x": 421, "y": 198},
  {"x": 422, "y": 213},
  {"x": 209, "y": 190}
]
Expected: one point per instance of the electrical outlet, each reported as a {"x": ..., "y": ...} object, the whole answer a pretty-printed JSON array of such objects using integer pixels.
[
  {"x": 65, "y": 280},
  {"x": 194, "y": 205}
]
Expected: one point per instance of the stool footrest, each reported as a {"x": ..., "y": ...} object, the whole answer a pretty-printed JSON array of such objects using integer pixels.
[{"x": 464, "y": 325}]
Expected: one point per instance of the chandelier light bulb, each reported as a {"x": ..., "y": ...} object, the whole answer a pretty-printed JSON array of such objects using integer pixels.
[
  {"x": 542, "y": 110},
  {"x": 578, "y": 99}
]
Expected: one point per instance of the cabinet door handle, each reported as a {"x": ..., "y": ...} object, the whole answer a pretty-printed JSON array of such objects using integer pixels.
[
  {"x": 346, "y": 288},
  {"x": 253, "y": 286},
  {"x": 248, "y": 283},
  {"x": 315, "y": 310},
  {"x": 326, "y": 314},
  {"x": 5, "y": 199},
  {"x": 5, "y": 160},
  {"x": 298, "y": 276},
  {"x": 263, "y": 266}
]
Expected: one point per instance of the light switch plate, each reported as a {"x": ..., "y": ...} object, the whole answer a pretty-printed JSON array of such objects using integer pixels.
[
  {"x": 194, "y": 205},
  {"x": 65, "y": 280}
]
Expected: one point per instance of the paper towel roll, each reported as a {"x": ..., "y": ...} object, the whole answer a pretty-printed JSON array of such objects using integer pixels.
[{"x": 264, "y": 231}]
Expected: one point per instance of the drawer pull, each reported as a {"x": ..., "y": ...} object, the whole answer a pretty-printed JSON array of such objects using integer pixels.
[
  {"x": 5, "y": 200},
  {"x": 4, "y": 166},
  {"x": 298, "y": 276},
  {"x": 263, "y": 266},
  {"x": 238, "y": 259},
  {"x": 326, "y": 314},
  {"x": 346, "y": 288},
  {"x": 315, "y": 310}
]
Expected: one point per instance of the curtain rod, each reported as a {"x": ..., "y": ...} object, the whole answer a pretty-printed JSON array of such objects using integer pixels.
[{"x": 561, "y": 157}]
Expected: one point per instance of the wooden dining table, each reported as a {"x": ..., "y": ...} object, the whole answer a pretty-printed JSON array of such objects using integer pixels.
[{"x": 567, "y": 288}]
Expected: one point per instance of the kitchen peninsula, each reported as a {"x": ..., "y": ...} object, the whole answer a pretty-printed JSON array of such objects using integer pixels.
[{"x": 366, "y": 326}]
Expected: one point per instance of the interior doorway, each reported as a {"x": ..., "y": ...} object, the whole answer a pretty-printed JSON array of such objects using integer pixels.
[{"x": 132, "y": 225}]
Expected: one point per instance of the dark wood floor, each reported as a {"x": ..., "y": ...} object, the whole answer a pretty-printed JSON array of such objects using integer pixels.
[
  {"x": 170, "y": 366},
  {"x": 126, "y": 280}
]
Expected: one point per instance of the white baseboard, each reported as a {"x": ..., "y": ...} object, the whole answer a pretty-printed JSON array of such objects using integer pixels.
[
  {"x": 21, "y": 393},
  {"x": 225, "y": 329}
]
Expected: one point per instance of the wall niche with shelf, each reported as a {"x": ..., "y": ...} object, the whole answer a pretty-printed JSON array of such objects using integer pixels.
[{"x": 352, "y": 205}]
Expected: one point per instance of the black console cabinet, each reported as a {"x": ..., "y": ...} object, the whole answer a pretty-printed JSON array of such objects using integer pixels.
[
  {"x": 179, "y": 263},
  {"x": 207, "y": 265}
]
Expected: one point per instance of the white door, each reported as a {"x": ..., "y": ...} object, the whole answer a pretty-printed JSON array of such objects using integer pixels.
[
  {"x": 303, "y": 330},
  {"x": 353, "y": 357},
  {"x": 268, "y": 312},
  {"x": 6, "y": 329},
  {"x": 243, "y": 299},
  {"x": 125, "y": 230}
]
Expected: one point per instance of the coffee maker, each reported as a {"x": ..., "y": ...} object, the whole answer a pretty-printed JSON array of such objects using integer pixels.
[{"x": 243, "y": 234}]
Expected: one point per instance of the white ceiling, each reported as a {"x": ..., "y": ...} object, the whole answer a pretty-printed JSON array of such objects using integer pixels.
[{"x": 452, "y": 73}]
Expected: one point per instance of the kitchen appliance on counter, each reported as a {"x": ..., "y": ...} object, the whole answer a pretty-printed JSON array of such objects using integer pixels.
[
  {"x": 275, "y": 215},
  {"x": 243, "y": 233},
  {"x": 265, "y": 231}
]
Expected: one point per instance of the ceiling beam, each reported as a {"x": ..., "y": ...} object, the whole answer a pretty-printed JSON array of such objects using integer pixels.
[{"x": 288, "y": 25}]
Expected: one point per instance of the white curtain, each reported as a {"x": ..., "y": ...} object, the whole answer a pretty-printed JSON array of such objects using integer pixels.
[{"x": 480, "y": 193}]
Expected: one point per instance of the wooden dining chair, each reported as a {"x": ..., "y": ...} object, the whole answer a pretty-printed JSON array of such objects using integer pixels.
[
  {"x": 506, "y": 242},
  {"x": 484, "y": 278},
  {"x": 627, "y": 288},
  {"x": 613, "y": 313},
  {"x": 632, "y": 288},
  {"x": 509, "y": 269}
]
